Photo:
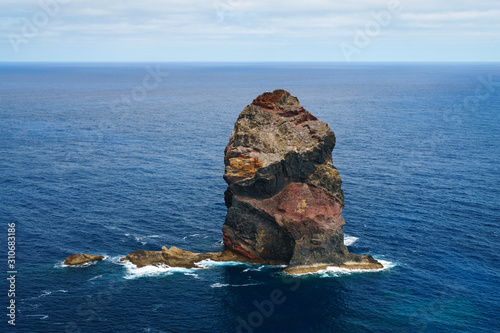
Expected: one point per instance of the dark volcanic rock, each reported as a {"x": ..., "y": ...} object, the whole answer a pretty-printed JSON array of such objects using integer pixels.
[
  {"x": 80, "y": 259},
  {"x": 284, "y": 197}
]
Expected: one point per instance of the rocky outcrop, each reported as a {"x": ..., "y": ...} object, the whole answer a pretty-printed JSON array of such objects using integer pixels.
[
  {"x": 284, "y": 195},
  {"x": 175, "y": 257},
  {"x": 80, "y": 259}
]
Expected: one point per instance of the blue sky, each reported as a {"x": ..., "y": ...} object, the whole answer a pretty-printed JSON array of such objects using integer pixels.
[{"x": 250, "y": 30}]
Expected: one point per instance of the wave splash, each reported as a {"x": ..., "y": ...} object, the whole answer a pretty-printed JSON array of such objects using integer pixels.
[
  {"x": 333, "y": 271},
  {"x": 134, "y": 272},
  {"x": 221, "y": 285},
  {"x": 208, "y": 263},
  {"x": 349, "y": 240}
]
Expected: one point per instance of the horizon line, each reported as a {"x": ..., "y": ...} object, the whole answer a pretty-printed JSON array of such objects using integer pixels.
[{"x": 246, "y": 62}]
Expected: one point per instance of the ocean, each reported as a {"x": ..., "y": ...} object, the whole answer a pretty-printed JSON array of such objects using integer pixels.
[{"x": 110, "y": 158}]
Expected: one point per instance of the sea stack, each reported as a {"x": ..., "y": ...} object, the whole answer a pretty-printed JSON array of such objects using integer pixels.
[{"x": 284, "y": 195}]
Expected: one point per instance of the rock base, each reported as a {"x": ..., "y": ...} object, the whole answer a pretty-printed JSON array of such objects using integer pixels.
[{"x": 175, "y": 257}]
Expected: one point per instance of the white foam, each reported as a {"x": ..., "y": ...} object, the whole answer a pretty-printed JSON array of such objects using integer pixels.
[
  {"x": 45, "y": 293},
  {"x": 157, "y": 306},
  {"x": 193, "y": 235},
  {"x": 111, "y": 227},
  {"x": 250, "y": 269},
  {"x": 141, "y": 239},
  {"x": 333, "y": 271},
  {"x": 207, "y": 263},
  {"x": 42, "y": 317},
  {"x": 193, "y": 275},
  {"x": 62, "y": 265},
  {"x": 349, "y": 240},
  {"x": 133, "y": 272},
  {"x": 115, "y": 259},
  {"x": 220, "y": 285}
]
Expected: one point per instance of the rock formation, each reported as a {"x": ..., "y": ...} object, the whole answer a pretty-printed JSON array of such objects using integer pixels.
[
  {"x": 284, "y": 195},
  {"x": 175, "y": 257},
  {"x": 80, "y": 259}
]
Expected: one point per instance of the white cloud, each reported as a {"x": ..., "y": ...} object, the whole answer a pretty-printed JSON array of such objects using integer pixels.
[
  {"x": 454, "y": 16},
  {"x": 169, "y": 23}
]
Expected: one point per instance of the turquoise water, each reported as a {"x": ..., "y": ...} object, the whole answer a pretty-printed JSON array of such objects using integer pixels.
[{"x": 104, "y": 159}]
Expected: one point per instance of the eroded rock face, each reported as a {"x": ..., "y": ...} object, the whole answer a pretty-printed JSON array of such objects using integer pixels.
[
  {"x": 284, "y": 195},
  {"x": 80, "y": 259}
]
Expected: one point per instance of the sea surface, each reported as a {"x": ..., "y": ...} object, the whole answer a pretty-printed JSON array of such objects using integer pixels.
[{"x": 109, "y": 158}]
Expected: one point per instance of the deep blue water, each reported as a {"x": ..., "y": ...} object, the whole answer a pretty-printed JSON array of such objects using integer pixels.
[{"x": 94, "y": 161}]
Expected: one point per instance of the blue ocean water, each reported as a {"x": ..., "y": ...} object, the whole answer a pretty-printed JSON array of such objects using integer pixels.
[{"x": 110, "y": 158}]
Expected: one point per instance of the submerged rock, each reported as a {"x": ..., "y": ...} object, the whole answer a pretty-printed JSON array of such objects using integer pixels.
[
  {"x": 80, "y": 259},
  {"x": 284, "y": 196}
]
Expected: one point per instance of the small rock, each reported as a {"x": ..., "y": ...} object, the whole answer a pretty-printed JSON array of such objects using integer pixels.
[{"x": 80, "y": 259}]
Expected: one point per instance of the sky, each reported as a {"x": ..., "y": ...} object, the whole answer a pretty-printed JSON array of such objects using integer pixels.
[{"x": 250, "y": 30}]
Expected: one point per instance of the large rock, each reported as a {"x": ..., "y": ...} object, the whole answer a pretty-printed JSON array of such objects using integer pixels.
[
  {"x": 284, "y": 195},
  {"x": 80, "y": 259}
]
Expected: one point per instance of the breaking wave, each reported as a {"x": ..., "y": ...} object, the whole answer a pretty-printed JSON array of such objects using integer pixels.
[
  {"x": 207, "y": 263},
  {"x": 349, "y": 240},
  {"x": 133, "y": 272},
  {"x": 221, "y": 285},
  {"x": 333, "y": 271}
]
